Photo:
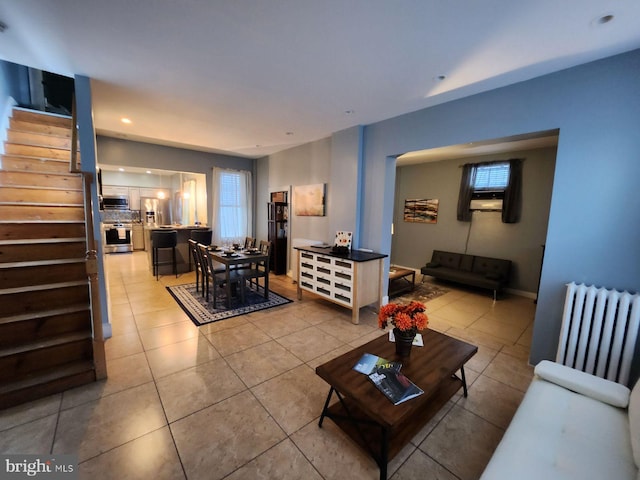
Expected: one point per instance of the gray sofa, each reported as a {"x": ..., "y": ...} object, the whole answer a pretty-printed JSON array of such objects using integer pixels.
[{"x": 476, "y": 271}]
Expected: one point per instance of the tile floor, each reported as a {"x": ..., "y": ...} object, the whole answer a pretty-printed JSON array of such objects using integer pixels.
[{"x": 239, "y": 399}]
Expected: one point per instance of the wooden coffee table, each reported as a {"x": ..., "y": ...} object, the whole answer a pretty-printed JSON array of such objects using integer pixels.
[
  {"x": 401, "y": 280},
  {"x": 369, "y": 418}
]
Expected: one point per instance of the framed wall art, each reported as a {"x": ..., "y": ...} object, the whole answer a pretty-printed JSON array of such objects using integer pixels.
[
  {"x": 308, "y": 200},
  {"x": 421, "y": 210}
]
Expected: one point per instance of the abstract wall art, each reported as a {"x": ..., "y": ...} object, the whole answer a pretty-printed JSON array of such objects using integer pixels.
[
  {"x": 308, "y": 200},
  {"x": 421, "y": 210}
]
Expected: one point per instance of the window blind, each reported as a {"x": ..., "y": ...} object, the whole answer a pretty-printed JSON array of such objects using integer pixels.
[{"x": 492, "y": 177}]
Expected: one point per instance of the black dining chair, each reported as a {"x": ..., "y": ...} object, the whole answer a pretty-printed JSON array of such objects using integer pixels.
[
  {"x": 197, "y": 262},
  {"x": 200, "y": 236},
  {"x": 256, "y": 271},
  {"x": 163, "y": 239},
  {"x": 217, "y": 277},
  {"x": 249, "y": 242}
]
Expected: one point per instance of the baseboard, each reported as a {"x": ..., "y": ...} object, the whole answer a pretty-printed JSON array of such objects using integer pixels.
[{"x": 521, "y": 293}]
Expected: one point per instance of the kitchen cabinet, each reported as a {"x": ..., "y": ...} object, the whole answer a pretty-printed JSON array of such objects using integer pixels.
[
  {"x": 137, "y": 236},
  {"x": 114, "y": 190},
  {"x": 134, "y": 198},
  {"x": 352, "y": 280}
]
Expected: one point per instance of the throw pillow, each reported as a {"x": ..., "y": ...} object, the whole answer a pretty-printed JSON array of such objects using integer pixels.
[{"x": 634, "y": 422}]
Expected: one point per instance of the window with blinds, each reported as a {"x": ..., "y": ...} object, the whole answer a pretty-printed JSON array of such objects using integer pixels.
[
  {"x": 230, "y": 205},
  {"x": 493, "y": 177}
]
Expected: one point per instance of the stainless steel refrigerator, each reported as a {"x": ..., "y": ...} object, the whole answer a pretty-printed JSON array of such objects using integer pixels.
[{"x": 156, "y": 210}]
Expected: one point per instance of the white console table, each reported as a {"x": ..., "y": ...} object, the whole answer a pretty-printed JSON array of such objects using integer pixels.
[{"x": 352, "y": 280}]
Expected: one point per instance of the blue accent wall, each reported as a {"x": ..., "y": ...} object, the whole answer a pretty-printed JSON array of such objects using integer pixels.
[{"x": 593, "y": 234}]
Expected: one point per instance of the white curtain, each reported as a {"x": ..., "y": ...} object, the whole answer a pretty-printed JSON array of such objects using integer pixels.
[{"x": 232, "y": 201}]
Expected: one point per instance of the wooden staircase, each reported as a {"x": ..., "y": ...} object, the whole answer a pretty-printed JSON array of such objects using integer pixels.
[{"x": 46, "y": 340}]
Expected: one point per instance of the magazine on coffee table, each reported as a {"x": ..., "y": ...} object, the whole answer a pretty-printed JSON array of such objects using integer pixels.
[
  {"x": 368, "y": 362},
  {"x": 394, "y": 385}
]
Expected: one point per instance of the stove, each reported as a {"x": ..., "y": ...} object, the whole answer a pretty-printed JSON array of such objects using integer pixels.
[{"x": 116, "y": 237}]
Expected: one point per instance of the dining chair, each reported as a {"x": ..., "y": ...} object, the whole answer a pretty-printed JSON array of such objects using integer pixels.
[
  {"x": 218, "y": 276},
  {"x": 257, "y": 270},
  {"x": 200, "y": 236},
  {"x": 197, "y": 263},
  {"x": 249, "y": 242}
]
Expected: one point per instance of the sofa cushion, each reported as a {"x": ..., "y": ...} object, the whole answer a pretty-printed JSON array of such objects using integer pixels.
[
  {"x": 466, "y": 263},
  {"x": 613, "y": 393},
  {"x": 446, "y": 259},
  {"x": 432, "y": 265},
  {"x": 634, "y": 422},
  {"x": 559, "y": 434}
]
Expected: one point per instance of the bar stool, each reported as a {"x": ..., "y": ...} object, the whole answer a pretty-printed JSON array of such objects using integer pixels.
[
  {"x": 161, "y": 239},
  {"x": 200, "y": 236}
]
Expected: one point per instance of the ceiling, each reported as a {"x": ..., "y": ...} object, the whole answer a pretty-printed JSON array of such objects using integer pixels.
[
  {"x": 253, "y": 77},
  {"x": 486, "y": 147}
]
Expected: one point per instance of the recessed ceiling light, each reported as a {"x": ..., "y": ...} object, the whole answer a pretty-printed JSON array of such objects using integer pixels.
[
  {"x": 440, "y": 78},
  {"x": 148, "y": 171},
  {"x": 126, "y": 120},
  {"x": 289, "y": 133},
  {"x": 121, "y": 169},
  {"x": 349, "y": 112}
]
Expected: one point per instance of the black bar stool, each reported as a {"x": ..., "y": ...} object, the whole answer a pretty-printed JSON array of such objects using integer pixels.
[
  {"x": 200, "y": 236},
  {"x": 163, "y": 239}
]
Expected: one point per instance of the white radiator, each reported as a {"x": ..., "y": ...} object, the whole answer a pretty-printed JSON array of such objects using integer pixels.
[{"x": 599, "y": 331}]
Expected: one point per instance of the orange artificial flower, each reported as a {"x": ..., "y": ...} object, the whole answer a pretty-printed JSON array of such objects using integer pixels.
[{"x": 404, "y": 317}]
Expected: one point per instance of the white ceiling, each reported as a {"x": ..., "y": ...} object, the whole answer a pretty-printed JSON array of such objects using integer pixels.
[
  {"x": 252, "y": 77},
  {"x": 485, "y": 147}
]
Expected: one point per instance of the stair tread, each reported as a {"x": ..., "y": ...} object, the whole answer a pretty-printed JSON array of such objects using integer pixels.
[
  {"x": 79, "y": 307},
  {"x": 45, "y": 343},
  {"x": 46, "y": 286},
  {"x": 40, "y": 263},
  {"x": 30, "y": 241},
  {"x": 47, "y": 375}
]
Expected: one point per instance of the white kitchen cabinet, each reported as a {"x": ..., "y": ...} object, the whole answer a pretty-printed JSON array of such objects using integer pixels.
[
  {"x": 134, "y": 198},
  {"x": 352, "y": 280},
  {"x": 137, "y": 236},
  {"x": 114, "y": 190}
]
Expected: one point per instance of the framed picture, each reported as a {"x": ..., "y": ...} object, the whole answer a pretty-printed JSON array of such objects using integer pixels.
[
  {"x": 421, "y": 210},
  {"x": 308, "y": 200}
]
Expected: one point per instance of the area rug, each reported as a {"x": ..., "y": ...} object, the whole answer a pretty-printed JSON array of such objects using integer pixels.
[
  {"x": 202, "y": 312},
  {"x": 423, "y": 292}
]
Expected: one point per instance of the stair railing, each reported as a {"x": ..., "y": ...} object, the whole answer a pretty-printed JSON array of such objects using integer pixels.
[
  {"x": 91, "y": 259},
  {"x": 91, "y": 266},
  {"x": 73, "y": 167}
]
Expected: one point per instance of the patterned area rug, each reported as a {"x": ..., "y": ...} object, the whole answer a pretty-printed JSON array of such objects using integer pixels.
[
  {"x": 422, "y": 293},
  {"x": 202, "y": 312}
]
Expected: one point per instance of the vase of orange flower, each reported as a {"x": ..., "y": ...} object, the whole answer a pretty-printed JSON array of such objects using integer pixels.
[{"x": 407, "y": 320}]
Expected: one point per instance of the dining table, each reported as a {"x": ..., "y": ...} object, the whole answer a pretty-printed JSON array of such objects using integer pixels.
[{"x": 236, "y": 258}]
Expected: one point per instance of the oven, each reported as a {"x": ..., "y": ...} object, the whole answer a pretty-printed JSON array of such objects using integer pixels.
[{"x": 117, "y": 237}]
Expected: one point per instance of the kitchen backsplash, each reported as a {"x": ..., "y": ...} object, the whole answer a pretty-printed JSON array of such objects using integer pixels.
[{"x": 124, "y": 216}]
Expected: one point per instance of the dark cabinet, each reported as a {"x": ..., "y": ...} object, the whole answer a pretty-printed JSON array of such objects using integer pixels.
[{"x": 277, "y": 229}]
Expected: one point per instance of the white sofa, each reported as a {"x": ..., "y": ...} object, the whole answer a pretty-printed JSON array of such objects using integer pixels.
[{"x": 570, "y": 425}]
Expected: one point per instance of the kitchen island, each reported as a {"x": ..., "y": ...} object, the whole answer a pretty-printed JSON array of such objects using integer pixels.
[{"x": 182, "y": 248}]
